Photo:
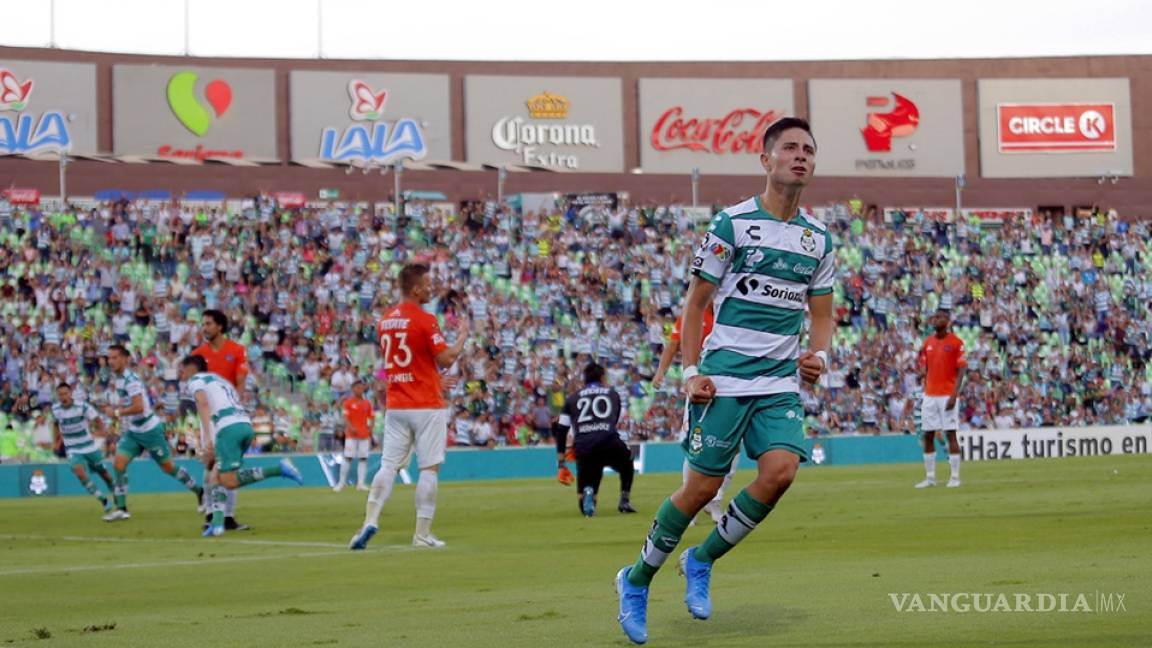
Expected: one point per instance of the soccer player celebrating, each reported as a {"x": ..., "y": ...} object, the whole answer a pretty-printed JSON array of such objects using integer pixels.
[
  {"x": 762, "y": 263},
  {"x": 590, "y": 416},
  {"x": 942, "y": 361},
  {"x": 229, "y": 360},
  {"x": 357, "y": 437},
  {"x": 71, "y": 422},
  {"x": 141, "y": 430},
  {"x": 225, "y": 433},
  {"x": 715, "y": 508},
  {"x": 414, "y": 351}
]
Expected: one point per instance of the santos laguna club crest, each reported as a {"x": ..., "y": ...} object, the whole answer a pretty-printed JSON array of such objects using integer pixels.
[
  {"x": 696, "y": 441},
  {"x": 807, "y": 241}
]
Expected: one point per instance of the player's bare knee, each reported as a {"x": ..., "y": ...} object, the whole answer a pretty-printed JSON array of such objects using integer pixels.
[
  {"x": 79, "y": 472},
  {"x": 228, "y": 480}
]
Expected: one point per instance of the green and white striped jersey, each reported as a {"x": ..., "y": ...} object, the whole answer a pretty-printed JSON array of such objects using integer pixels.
[
  {"x": 128, "y": 385},
  {"x": 223, "y": 402},
  {"x": 73, "y": 424},
  {"x": 765, "y": 270}
]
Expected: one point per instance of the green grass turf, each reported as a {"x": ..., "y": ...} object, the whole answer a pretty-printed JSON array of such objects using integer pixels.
[{"x": 522, "y": 568}]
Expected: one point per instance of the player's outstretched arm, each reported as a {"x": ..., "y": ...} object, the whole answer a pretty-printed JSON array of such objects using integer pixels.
[
  {"x": 666, "y": 358},
  {"x": 448, "y": 356}
]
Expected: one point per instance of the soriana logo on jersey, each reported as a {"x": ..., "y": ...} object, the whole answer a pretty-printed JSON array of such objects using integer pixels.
[{"x": 1056, "y": 127}]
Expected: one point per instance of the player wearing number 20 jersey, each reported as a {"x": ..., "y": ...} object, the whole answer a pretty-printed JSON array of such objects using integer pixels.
[{"x": 591, "y": 415}]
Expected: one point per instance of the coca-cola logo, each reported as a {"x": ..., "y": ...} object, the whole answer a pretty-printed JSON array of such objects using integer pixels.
[{"x": 740, "y": 131}]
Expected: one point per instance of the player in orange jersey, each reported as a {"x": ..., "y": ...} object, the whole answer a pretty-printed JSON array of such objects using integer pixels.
[
  {"x": 414, "y": 351},
  {"x": 229, "y": 360},
  {"x": 357, "y": 437},
  {"x": 942, "y": 363}
]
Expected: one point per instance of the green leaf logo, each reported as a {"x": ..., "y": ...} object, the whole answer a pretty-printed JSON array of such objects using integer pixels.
[{"x": 188, "y": 109}]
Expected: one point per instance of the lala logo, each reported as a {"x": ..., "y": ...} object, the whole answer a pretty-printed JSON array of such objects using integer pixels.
[
  {"x": 366, "y": 104},
  {"x": 377, "y": 141},
  {"x": 13, "y": 94},
  {"x": 23, "y": 133}
]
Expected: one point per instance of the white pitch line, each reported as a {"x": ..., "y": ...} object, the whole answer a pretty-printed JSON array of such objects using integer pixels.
[
  {"x": 170, "y": 563},
  {"x": 274, "y": 543}
]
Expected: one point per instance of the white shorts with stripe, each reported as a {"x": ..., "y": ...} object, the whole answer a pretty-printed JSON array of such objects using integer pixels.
[
  {"x": 934, "y": 418},
  {"x": 422, "y": 430}
]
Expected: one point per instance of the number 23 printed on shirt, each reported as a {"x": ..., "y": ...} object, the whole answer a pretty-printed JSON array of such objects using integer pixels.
[{"x": 403, "y": 352}]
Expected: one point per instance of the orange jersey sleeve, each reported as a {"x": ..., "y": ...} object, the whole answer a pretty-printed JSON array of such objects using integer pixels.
[
  {"x": 410, "y": 340},
  {"x": 709, "y": 322},
  {"x": 943, "y": 359}
]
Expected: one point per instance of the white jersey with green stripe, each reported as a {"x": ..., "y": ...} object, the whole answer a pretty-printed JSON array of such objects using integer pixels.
[
  {"x": 73, "y": 424},
  {"x": 128, "y": 385},
  {"x": 223, "y": 402},
  {"x": 765, "y": 270}
]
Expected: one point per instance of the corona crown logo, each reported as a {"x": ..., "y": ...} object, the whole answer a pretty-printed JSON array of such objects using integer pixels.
[{"x": 548, "y": 106}]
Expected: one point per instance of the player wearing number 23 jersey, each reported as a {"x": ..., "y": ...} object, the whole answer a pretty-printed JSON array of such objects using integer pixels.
[{"x": 410, "y": 340}]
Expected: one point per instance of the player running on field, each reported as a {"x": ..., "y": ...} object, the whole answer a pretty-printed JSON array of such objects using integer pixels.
[
  {"x": 590, "y": 417},
  {"x": 140, "y": 430},
  {"x": 763, "y": 264},
  {"x": 71, "y": 422},
  {"x": 414, "y": 351},
  {"x": 225, "y": 433},
  {"x": 229, "y": 360}
]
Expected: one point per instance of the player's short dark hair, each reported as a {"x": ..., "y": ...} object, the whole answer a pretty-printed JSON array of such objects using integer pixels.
[
  {"x": 63, "y": 386},
  {"x": 593, "y": 373},
  {"x": 195, "y": 361},
  {"x": 219, "y": 317},
  {"x": 121, "y": 349},
  {"x": 780, "y": 125},
  {"x": 410, "y": 275}
]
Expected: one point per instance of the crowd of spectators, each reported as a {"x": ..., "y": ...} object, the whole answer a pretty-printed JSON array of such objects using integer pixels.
[{"x": 1054, "y": 311}]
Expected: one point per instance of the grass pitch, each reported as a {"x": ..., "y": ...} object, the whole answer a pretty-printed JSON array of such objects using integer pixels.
[{"x": 522, "y": 568}]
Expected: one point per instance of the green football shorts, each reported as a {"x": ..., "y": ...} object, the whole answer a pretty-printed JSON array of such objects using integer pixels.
[
  {"x": 133, "y": 444},
  {"x": 762, "y": 423},
  {"x": 90, "y": 460},
  {"x": 231, "y": 442}
]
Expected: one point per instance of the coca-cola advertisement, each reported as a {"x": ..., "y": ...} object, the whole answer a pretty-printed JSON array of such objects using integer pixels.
[{"x": 715, "y": 125}]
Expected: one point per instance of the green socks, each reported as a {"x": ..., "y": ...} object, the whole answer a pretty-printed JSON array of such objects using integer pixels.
[
  {"x": 218, "y": 496},
  {"x": 92, "y": 488},
  {"x": 669, "y": 525},
  {"x": 743, "y": 514},
  {"x": 183, "y": 477},
  {"x": 120, "y": 490},
  {"x": 251, "y": 475}
]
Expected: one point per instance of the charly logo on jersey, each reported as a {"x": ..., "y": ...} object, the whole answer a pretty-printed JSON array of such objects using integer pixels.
[{"x": 807, "y": 241}]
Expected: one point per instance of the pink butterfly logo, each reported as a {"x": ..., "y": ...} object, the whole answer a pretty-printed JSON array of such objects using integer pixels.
[
  {"x": 13, "y": 94},
  {"x": 366, "y": 104}
]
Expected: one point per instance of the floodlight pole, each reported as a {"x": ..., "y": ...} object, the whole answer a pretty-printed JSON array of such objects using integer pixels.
[
  {"x": 63, "y": 186},
  {"x": 695, "y": 186},
  {"x": 397, "y": 169},
  {"x": 501, "y": 176}
]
